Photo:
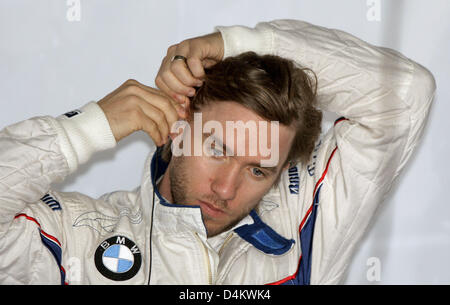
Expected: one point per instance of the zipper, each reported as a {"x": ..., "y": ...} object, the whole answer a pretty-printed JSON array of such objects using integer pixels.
[
  {"x": 207, "y": 260},
  {"x": 225, "y": 242}
]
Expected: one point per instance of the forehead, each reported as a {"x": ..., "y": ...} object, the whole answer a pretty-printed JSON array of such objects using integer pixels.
[
  {"x": 229, "y": 114},
  {"x": 228, "y": 110}
]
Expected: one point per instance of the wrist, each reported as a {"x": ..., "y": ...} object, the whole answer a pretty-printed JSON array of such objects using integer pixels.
[
  {"x": 240, "y": 39},
  {"x": 87, "y": 130}
]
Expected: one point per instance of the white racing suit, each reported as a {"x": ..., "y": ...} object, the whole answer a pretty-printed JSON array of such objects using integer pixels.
[{"x": 303, "y": 232}]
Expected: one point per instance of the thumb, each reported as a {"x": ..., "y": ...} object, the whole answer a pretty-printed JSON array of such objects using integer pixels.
[
  {"x": 207, "y": 63},
  {"x": 195, "y": 65}
]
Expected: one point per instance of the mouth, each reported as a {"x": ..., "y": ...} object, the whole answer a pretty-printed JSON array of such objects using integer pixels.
[{"x": 210, "y": 209}]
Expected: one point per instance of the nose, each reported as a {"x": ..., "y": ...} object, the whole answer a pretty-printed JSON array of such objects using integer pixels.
[{"x": 226, "y": 182}]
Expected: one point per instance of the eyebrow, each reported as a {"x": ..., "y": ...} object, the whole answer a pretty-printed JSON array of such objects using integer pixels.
[
  {"x": 225, "y": 148},
  {"x": 271, "y": 169}
]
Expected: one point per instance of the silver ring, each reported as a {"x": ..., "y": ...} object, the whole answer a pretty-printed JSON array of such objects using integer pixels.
[{"x": 178, "y": 57}]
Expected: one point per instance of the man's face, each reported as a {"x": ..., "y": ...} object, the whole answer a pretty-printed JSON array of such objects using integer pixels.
[{"x": 227, "y": 187}]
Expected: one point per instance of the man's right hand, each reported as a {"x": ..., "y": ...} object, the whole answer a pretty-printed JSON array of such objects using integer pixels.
[
  {"x": 134, "y": 106},
  {"x": 178, "y": 79}
]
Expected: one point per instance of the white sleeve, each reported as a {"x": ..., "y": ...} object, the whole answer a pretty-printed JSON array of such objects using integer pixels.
[
  {"x": 385, "y": 98},
  {"x": 43, "y": 150}
]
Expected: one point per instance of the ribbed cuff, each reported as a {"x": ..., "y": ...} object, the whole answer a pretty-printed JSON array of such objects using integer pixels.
[
  {"x": 87, "y": 130},
  {"x": 240, "y": 39}
]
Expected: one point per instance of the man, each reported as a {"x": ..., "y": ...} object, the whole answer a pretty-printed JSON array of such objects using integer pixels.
[{"x": 217, "y": 218}]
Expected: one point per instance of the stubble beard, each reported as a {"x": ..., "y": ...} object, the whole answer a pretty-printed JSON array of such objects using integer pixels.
[{"x": 179, "y": 179}]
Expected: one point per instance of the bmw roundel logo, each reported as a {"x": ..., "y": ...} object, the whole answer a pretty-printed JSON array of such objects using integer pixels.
[{"x": 118, "y": 258}]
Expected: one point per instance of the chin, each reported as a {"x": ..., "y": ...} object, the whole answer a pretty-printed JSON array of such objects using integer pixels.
[
  {"x": 216, "y": 230},
  {"x": 213, "y": 230}
]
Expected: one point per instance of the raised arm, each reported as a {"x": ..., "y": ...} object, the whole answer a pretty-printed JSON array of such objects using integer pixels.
[{"x": 385, "y": 99}]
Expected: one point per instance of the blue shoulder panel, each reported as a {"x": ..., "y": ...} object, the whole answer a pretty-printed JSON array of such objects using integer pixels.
[
  {"x": 263, "y": 237},
  {"x": 303, "y": 276}
]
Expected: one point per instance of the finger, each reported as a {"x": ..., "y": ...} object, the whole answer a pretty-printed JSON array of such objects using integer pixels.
[
  {"x": 180, "y": 107},
  {"x": 196, "y": 67},
  {"x": 176, "y": 85},
  {"x": 152, "y": 130},
  {"x": 207, "y": 63},
  {"x": 159, "y": 118},
  {"x": 118, "y": 90},
  {"x": 144, "y": 123},
  {"x": 176, "y": 100},
  {"x": 181, "y": 70},
  {"x": 169, "y": 92},
  {"x": 159, "y": 107},
  {"x": 130, "y": 84},
  {"x": 171, "y": 110}
]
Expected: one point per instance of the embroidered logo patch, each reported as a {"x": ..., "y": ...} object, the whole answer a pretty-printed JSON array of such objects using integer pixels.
[
  {"x": 118, "y": 258},
  {"x": 72, "y": 113},
  {"x": 105, "y": 224}
]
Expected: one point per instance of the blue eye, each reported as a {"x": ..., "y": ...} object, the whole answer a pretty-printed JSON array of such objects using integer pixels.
[{"x": 257, "y": 172}]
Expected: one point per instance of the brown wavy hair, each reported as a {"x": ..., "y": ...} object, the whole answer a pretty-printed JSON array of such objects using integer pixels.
[{"x": 274, "y": 88}]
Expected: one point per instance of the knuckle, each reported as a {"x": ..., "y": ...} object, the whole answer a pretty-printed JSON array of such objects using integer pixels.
[
  {"x": 135, "y": 114},
  {"x": 151, "y": 127},
  {"x": 172, "y": 48},
  {"x": 132, "y": 89},
  {"x": 195, "y": 43},
  {"x": 159, "y": 115},
  {"x": 187, "y": 42},
  {"x": 183, "y": 44},
  {"x": 164, "y": 75},
  {"x": 158, "y": 81},
  {"x": 167, "y": 79},
  {"x": 131, "y": 100},
  {"x": 177, "y": 67},
  {"x": 131, "y": 82},
  {"x": 163, "y": 107},
  {"x": 164, "y": 100},
  {"x": 192, "y": 61}
]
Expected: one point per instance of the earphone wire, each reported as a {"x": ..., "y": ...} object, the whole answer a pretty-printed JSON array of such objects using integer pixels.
[{"x": 151, "y": 221}]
